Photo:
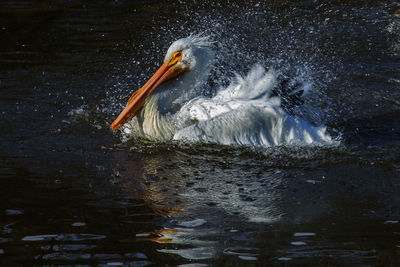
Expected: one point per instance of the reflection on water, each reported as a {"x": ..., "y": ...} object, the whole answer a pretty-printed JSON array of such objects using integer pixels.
[
  {"x": 205, "y": 205},
  {"x": 213, "y": 210}
]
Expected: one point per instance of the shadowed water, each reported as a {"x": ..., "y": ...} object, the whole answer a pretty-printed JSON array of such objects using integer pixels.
[{"x": 72, "y": 193}]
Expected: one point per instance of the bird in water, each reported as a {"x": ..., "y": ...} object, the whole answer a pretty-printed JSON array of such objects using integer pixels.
[{"x": 250, "y": 111}]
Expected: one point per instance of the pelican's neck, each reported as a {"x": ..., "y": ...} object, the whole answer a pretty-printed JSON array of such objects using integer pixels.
[{"x": 153, "y": 124}]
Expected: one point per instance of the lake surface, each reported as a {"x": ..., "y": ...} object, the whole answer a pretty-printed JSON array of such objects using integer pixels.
[{"x": 72, "y": 193}]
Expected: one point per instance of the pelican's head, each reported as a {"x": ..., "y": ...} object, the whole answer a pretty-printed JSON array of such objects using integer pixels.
[{"x": 190, "y": 54}]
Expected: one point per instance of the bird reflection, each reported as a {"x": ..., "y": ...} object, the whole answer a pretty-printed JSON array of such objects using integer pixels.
[
  {"x": 142, "y": 180},
  {"x": 199, "y": 202}
]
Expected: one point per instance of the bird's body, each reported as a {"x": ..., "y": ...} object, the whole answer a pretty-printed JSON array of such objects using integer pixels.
[{"x": 171, "y": 106}]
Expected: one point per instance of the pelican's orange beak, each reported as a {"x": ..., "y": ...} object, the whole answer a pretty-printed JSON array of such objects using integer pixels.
[{"x": 167, "y": 71}]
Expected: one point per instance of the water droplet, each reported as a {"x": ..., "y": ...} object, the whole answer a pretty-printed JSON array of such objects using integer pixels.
[
  {"x": 115, "y": 263},
  {"x": 79, "y": 224},
  {"x": 304, "y": 234},
  {"x": 390, "y": 222},
  {"x": 248, "y": 258},
  {"x": 142, "y": 235},
  {"x": 284, "y": 259},
  {"x": 298, "y": 243},
  {"x": 38, "y": 237},
  {"x": 14, "y": 212}
]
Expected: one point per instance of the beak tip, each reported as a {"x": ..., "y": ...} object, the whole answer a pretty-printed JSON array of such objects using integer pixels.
[{"x": 114, "y": 126}]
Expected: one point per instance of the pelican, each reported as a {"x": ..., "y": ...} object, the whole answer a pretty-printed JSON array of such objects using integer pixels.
[{"x": 170, "y": 106}]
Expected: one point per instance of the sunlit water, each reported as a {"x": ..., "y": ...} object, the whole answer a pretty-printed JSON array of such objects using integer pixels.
[{"x": 72, "y": 193}]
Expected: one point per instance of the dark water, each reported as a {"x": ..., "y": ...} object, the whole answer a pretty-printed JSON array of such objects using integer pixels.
[{"x": 72, "y": 194}]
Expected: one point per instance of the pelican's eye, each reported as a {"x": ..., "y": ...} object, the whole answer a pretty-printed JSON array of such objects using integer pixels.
[{"x": 177, "y": 56}]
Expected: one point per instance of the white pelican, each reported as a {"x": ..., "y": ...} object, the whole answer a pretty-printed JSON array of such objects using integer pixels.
[{"x": 170, "y": 105}]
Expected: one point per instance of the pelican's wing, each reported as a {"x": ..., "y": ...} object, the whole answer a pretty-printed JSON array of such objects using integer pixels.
[
  {"x": 252, "y": 91},
  {"x": 244, "y": 113},
  {"x": 254, "y": 126}
]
